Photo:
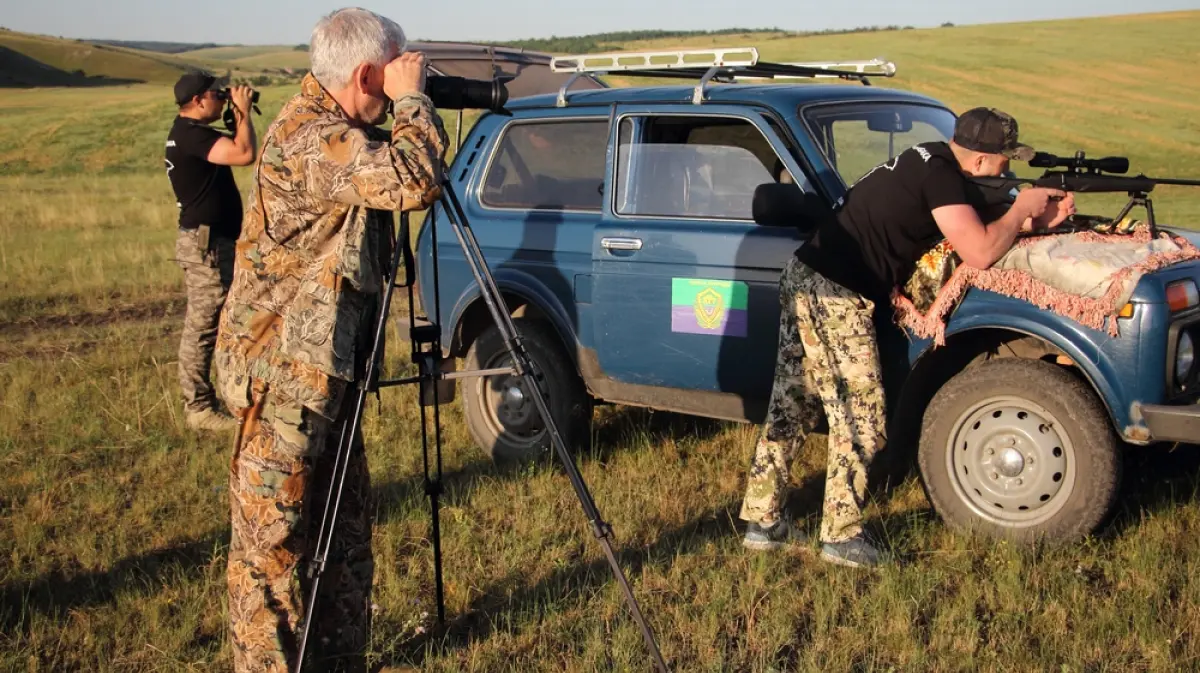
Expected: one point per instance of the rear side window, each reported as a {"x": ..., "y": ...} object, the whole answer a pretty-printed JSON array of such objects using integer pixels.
[{"x": 552, "y": 165}]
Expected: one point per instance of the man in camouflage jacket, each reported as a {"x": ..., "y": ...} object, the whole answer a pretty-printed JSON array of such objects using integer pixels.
[{"x": 309, "y": 268}]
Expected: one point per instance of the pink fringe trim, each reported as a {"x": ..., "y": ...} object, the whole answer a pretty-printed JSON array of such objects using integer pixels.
[{"x": 1093, "y": 313}]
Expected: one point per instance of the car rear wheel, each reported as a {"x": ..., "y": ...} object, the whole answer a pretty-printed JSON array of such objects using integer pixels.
[
  {"x": 1019, "y": 449},
  {"x": 501, "y": 416}
]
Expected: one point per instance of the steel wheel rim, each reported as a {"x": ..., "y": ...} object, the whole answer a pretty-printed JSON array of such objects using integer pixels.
[
  {"x": 1009, "y": 462},
  {"x": 508, "y": 410}
]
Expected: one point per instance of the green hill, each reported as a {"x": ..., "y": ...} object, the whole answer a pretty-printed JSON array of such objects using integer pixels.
[
  {"x": 233, "y": 53},
  {"x": 39, "y": 60},
  {"x": 163, "y": 47},
  {"x": 264, "y": 57},
  {"x": 21, "y": 71},
  {"x": 92, "y": 60}
]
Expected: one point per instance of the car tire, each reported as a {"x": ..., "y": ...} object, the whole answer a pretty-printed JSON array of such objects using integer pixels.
[
  {"x": 502, "y": 419},
  {"x": 1019, "y": 449}
]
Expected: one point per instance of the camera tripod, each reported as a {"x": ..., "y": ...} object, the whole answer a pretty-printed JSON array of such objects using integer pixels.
[{"x": 427, "y": 355}]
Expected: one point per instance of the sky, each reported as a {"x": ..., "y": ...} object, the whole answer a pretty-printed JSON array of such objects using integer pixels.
[{"x": 290, "y": 21}]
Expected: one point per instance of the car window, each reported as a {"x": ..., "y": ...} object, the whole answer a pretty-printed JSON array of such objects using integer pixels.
[
  {"x": 552, "y": 165},
  {"x": 859, "y": 137},
  {"x": 693, "y": 167}
]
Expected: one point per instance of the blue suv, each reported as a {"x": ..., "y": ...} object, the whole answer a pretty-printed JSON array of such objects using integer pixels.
[{"x": 638, "y": 234}]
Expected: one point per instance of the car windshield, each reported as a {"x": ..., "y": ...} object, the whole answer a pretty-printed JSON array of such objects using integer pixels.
[{"x": 857, "y": 137}]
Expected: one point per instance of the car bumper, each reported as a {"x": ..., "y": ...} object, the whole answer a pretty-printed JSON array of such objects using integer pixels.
[{"x": 1172, "y": 423}]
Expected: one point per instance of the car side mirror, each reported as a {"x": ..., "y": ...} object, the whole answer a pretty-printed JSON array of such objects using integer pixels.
[{"x": 786, "y": 205}]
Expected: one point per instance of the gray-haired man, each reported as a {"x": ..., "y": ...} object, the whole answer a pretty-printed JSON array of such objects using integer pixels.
[{"x": 309, "y": 268}]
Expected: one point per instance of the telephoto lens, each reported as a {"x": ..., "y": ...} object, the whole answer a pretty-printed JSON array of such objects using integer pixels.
[{"x": 458, "y": 93}]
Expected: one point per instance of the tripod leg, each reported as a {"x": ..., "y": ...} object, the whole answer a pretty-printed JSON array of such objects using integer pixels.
[
  {"x": 428, "y": 364},
  {"x": 433, "y": 487},
  {"x": 524, "y": 368},
  {"x": 350, "y": 429}
]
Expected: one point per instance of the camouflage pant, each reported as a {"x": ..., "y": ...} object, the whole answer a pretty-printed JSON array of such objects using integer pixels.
[
  {"x": 279, "y": 483},
  {"x": 207, "y": 273},
  {"x": 828, "y": 364}
]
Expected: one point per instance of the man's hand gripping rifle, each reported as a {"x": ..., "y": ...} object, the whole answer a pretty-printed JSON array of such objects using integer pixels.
[{"x": 1083, "y": 175}]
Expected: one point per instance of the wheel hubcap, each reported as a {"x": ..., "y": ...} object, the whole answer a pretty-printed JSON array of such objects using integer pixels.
[{"x": 1010, "y": 463}]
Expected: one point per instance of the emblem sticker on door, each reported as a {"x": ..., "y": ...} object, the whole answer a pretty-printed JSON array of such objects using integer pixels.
[{"x": 703, "y": 306}]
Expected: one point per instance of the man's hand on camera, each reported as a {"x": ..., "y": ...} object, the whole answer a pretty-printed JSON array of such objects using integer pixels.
[
  {"x": 241, "y": 99},
  {"x": 406, "y": 74}
]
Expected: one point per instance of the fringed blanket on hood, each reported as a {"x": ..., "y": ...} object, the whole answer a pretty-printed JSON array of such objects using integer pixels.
[{"x": 1086, "y": 276}]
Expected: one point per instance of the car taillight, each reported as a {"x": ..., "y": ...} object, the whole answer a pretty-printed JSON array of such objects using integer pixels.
[{"x": 1182, "y": 294}]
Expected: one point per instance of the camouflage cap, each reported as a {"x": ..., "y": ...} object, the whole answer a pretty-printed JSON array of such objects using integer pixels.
[{"x": 990, "y": 131}]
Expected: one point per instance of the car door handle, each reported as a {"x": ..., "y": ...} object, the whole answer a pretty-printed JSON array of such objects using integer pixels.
[{"x": 621, "y": 243}]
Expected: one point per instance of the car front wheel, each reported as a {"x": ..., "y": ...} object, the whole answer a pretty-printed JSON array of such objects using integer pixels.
[{"x": 1019, "y": 449}]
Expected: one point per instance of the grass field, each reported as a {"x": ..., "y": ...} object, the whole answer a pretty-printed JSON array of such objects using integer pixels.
[{"x": 114, "y": 518}]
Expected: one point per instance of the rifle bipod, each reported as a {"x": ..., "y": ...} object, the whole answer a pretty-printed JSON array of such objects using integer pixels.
[{"x": 428, "y": 362}]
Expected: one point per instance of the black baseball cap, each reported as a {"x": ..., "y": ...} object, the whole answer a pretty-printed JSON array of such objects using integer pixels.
[
  {"x": 193, "y": 84},
  {"x": 990, "y": 131}
]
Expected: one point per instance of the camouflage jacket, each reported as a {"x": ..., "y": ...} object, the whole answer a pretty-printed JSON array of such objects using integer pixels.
[{"x": 316, "y": 245}]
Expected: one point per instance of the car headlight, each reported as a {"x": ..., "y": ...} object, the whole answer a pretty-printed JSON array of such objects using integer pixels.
[{"x": 1185, "y": 355}]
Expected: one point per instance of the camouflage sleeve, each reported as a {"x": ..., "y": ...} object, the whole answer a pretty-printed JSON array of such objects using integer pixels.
[{"x": 350, "y": 167}]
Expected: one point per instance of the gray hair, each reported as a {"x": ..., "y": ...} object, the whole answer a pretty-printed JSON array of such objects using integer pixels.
[{"x": 350, "y": 36}]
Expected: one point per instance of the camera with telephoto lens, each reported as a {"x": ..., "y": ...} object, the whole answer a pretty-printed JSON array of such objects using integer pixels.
[{"x": 458, "y": 93}]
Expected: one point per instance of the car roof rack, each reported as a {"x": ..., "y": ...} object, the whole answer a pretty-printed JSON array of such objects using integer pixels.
[{"x": 726, "y": 64}]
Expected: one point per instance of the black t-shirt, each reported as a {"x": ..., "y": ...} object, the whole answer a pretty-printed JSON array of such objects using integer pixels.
[
  {"x": 205, "y": 192},
  {"x": 885, "y": 223}
]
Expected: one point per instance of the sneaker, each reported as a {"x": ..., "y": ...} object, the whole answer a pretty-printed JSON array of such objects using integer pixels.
[
  {"x": 857, "y": 552},
  {"x": 211, "y": 420},
  {"x": 777, "y": 535}
]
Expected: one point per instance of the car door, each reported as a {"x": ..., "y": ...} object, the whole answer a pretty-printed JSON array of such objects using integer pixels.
[{"x": 685, "y": 283}]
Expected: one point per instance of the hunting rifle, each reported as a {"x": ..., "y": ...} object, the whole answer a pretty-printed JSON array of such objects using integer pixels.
[{"x": 1084, "y": 175}]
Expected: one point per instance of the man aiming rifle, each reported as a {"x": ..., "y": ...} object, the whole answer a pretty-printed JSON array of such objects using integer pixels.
[{"x": 828, "y": 361}]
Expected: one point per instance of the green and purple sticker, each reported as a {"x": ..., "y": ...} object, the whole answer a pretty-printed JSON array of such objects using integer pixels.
[{"x": 703, "y": 306}]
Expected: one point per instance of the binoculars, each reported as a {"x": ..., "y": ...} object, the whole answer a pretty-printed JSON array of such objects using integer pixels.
[{"x": 227, "y": 94}]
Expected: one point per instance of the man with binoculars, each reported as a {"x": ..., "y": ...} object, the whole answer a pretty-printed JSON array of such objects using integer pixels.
[
  {"x": 295, "y": 333},
  {"x": 198, "y": 159}
]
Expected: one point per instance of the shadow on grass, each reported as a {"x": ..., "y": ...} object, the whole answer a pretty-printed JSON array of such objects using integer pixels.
[
  {"x": 514, "y": 594},
  {"x": 1155, "y": 479},
  {"x": 57, "y": 593},
  {"x": 616, "y": 434},
  {"x": 629, "y": 425}
]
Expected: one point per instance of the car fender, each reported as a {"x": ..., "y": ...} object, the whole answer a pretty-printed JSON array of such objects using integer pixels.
[
  {"x": 511, "y": 281},
  {"x": 1096, "y": 354}
]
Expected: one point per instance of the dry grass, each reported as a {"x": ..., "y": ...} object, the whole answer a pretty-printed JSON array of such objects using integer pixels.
[{"x": 114, "y": 519}]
